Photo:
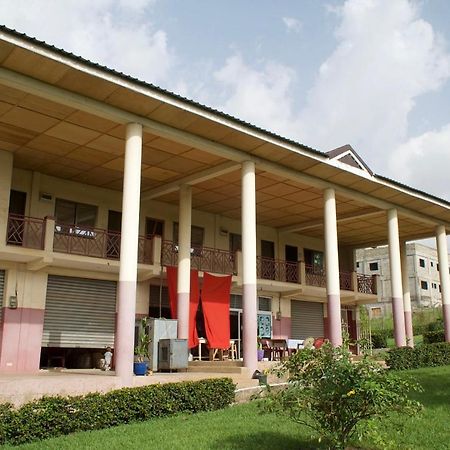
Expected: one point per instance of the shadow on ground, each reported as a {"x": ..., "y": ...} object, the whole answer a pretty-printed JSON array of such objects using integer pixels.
[{"x": 268, "y": 440}]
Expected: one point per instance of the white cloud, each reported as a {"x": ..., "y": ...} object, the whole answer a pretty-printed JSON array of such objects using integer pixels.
[
  {"x": 424, "y": 161},
  {"x": 292, "y": 24},
  {"x": 261, "y": 96},
  {"x": 385, "y": 58},
  {"x": 114, "y": 33}
]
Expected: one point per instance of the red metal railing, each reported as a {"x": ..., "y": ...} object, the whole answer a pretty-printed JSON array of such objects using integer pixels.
[
  {"x": 202, "y": 258},
  {"x": 277, "y": 269},
  {"x": 25, "y": 231},
  {"x": 96, "y": 242},
  {"x": 345, "y": 281},
  {"x": 315, "y": 276},
  {"x": 367, "y": 284}
]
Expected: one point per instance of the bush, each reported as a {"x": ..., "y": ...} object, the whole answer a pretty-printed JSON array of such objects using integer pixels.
[
  {"x": 379, "y": 339},
  {"x": 431, "y": 337},
  {"x": 427, "y": 355},
  {"x": 437, "y": 325},
  {"x": 54, "y": 416},
  {"x": 338, "y": 398}
]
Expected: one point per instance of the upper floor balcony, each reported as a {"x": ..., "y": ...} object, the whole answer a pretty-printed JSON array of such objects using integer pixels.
[{"x": 46, "y": 234}]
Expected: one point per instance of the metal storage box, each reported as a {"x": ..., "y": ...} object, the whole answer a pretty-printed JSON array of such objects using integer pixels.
[
  {"x": 173, "y": 354},
  {"x": 159, "y": 329}
]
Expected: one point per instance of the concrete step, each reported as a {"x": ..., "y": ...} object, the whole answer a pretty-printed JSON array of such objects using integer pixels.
[{"x": 217, "y": 367}]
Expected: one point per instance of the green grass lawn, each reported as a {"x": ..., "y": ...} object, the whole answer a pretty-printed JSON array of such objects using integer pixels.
[
  {"x": 243, "y": 427},
  {"x": 418, "y": 340}
]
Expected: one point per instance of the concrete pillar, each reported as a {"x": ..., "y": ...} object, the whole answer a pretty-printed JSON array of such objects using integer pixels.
[
  {"x": 184, "y": 261},
  {"x": 6, "y": 169},
  {"x": 124, "y": 351},
  {"x": 396, "y": 279},
  {"x": 332, "y": 268},
  {"x": 406, "y": 297},
  {"x": 249, "y": 265},
  {"x": 441, "y": 243}
]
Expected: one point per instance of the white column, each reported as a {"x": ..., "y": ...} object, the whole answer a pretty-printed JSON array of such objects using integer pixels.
[
  {"x": 184, "y": 261},
  {"x": 124, "y": 350},
  {"x": 332, "y": 268},
  {"x": 406, "y": 296},
  {"x": 249, "y": 265},
  {"x": 396, "y": 279},
  {"x": 441, "y": 242},
  {"x": 6, "y": 170}
]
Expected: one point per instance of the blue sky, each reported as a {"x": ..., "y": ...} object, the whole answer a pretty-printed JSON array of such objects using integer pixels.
[{"x": 371, "y": 73}]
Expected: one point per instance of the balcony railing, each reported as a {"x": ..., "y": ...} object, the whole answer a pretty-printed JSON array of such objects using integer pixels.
[
  {"x": 367, "y": 284},
  {"x": 315, "y": 276},
  {"x": 276, "y": 269},
  {"x": 345, "y": 281},
  {"x": 25, "y": 231},
  {"x": 202, "y": 258},
  {"x": 96, "y": 242}
]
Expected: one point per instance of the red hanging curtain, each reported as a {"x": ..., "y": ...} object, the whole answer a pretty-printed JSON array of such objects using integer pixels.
[
  {"x": 172, "y": 280},
  {"x": 216, "y": 310}
]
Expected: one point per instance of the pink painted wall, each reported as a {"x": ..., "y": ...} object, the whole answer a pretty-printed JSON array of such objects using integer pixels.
[
  {"x": 20, "y": 347},
  {"x": 281, "y": 329}
]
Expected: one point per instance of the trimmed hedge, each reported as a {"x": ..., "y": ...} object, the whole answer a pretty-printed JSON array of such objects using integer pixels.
[
  {"x": 431, "y": 337},
  {"x": 54, "y": 416},
  {"x": 427, "y": 355}
]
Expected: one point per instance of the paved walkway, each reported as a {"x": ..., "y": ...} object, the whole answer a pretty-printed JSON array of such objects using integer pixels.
[{"x": 19, "y": 389}]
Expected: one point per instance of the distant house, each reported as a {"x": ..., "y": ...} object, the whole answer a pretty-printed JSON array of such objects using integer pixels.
[{"x": 423, "y": 276}]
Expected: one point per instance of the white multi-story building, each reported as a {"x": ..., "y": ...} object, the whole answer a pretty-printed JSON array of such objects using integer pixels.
[{"x": 423, "y": 275}]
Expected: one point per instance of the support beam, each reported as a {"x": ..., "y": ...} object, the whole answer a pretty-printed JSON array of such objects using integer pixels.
[
  {"x": 184, "y": 261},
  {"x": 442, "y": 248},
  {"x": 249, "y": 265},
  {"x": 53, "y": 93},
  {"x": 195, "y": 178},
  {"x": 332, "y": 268},
  {"x": 406, "y": 296},
  {"x": 363, "y": 214},
  {"x": 396, "y": 279},
  {"x": 126, "y": 316}
]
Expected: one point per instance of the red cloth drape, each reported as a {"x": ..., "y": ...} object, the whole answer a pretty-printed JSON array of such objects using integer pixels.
[
  {"x": 216, "y": 310},
  {"x": 172, "y": 280}
]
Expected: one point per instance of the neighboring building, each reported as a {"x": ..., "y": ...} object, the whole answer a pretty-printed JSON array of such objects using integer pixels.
[
  {"x": 106, "y": 181},
  {"x": 423, "y": 276}
]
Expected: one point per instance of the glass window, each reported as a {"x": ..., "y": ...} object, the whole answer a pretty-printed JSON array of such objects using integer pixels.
[
  {"x": 197, "y": 234},
  {"x": 424, "y": 285},
  {"x": 421, "y": 262},
  {"x": 72, "y": 217},
  {"x": 373, "y": 266}
]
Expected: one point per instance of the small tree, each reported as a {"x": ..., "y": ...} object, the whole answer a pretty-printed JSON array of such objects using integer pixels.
[{"x": 338, "y": 398}]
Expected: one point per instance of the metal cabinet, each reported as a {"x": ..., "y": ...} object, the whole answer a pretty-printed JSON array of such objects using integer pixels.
[{"x": 173, "y": 354}]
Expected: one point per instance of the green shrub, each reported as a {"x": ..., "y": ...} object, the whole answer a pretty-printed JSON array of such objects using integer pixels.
[
  {"x": 431, "y": 337},
  {"x": 338, "y": 398},
  {"x": 379, "y": 339},
  {"x": 54, "y": 416},
  {"x": 427, "y": 355},
  {"x": 437, "y": 325}
]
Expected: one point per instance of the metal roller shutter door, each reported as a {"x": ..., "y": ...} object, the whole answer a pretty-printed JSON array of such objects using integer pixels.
[
  {"x": 2, "y": 291},
  {"x": 79, "y": 312},
  {"x": 306, "y": 319}
]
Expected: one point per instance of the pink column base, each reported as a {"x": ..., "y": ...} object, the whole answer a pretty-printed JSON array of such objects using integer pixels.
[
  {"x": 399, "y": 322},
  {"x": 183, "y": 315},
  {"x": 334, "y": 319},
  {"x": 250, "y": 327},
  {"x": 446, "y": 314},
  {"x": 124, "y": 342},
  {"x": 409, "y": 329},
  {"x": 20, "y": 349}
]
